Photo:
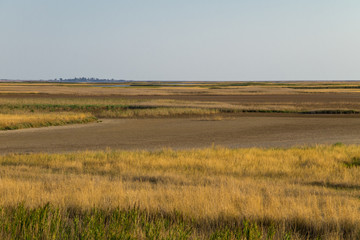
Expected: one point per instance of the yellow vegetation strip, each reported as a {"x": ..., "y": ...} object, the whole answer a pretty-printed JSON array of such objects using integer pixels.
[
  {"x": 33, "y": 120},
  {"x": 317, "y": 187}
]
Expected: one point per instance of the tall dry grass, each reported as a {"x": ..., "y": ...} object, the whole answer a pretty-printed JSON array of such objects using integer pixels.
[
  {"x": 67, "y": 100},
  {"x": 157, "y": 112},
  {"x": 123, "y": 108},
  {"x": 311, "y": 189},
  {"x": 107, "y": 108},
  {"x": 28, "y": 120}
]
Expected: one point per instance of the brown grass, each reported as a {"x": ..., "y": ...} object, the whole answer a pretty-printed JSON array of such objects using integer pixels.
[
  {"x": 311, "y": 188},
  {"x": 28, "y": 120},
  {"x": 133, "y": 108},
  {"x": 168, "y": 88},
  {"x": 85, "y": 89}
]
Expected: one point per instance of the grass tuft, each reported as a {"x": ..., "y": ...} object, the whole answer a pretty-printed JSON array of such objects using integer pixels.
[{"x": 355, "y": 162}]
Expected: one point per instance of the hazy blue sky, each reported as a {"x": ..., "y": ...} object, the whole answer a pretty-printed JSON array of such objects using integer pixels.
[{"x": 180, "y": 40}]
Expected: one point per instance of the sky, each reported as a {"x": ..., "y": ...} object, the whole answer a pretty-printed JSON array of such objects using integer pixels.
[{"x": 226, "y": 40}]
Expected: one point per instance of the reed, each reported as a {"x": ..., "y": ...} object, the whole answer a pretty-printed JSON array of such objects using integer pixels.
[
  {"x": 307, "y": 191},
  {"x": 32, "y": 120}
]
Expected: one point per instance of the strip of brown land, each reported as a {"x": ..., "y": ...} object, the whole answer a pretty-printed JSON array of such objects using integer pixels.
[{"x": 248, "y": 131}]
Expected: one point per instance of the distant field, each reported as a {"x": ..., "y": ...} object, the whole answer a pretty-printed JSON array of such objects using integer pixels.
[
  {"x": 299, "y": 192},
  {"x": 145, "y": 99},
  {"x": 171, "y": 88},
  {"x": 154, "y": 105}
]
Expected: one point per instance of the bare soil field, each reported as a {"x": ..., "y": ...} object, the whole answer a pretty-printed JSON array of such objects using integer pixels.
[{"x": 251, "y": 130}]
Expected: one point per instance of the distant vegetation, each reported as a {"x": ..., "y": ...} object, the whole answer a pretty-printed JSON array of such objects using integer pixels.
[
  {"x": 143, "y": 108},
  {"x": 84, "y": 80}
]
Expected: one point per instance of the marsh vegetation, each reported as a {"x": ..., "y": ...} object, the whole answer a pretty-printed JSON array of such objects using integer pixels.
[
  {"x": 32, "y": 120},
  {"x": 210, "y": 193},
  {"x": 307, "y": 192}
]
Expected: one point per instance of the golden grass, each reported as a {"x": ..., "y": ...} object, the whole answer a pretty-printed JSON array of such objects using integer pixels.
[
  {"x": 68, "y": 100},
  {"x": 316, "y": 187},
  {"x": 157, "y": 112},
  {"x": 168, "y": 88},
  {"x": 68, "y": 94},
  {"x": 102, "y": 107},
  {"x": 84, "y": 89},
  {"x": 28, "y": 120},
  {"x": 196, "y": 88},
  {"x": 106, "y": 108}
]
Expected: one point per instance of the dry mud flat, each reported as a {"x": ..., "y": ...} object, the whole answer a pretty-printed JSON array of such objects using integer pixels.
[{"x": 182, "y": 133}]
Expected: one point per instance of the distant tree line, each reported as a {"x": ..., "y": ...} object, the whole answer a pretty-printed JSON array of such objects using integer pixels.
[{"x": 84, "y": 79}]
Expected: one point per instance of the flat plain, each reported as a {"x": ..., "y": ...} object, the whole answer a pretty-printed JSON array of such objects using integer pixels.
[
  {"x": 185, "y": 133},
  {"x": 180, "y": 160}
]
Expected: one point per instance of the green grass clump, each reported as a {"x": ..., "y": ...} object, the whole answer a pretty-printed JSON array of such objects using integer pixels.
[
  {"x": 50, "y": 222},
  {"x": 355, "y": 162}
]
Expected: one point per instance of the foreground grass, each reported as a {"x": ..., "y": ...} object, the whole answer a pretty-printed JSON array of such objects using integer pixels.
[
  {"x": 49, "y": 222},
  {"x": 31, "y": 120},
  {"x": 305, "y": 192}
]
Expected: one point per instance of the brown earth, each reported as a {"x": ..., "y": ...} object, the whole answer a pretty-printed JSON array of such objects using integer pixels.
[
  {"x": 251, "y": 130},
  {"x": 300, "y": 101},
  {"x": 234, "y": 99},
  {"x": 262, "y": 98}
]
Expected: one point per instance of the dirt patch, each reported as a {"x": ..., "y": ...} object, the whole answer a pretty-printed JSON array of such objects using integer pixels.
[{"x": 183, "y": 133}]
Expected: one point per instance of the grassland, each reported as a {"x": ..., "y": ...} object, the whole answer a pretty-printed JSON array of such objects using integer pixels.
[
  {"x": 169, "y": 88},
  {"x": 49, "y": 222},
  {"x": 30, "y": 120},
  {"x": 213, "y": 193},
  {"x": 179, "y": 99},
  {"x": 37, "y": 112},
  {"x": 144, "y": 108},
  {"x": 303, "y": 192}
]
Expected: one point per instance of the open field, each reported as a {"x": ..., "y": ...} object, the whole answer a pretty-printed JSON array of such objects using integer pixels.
[
  {"x": 180, "y": 88},
  {"x": 181, "y": 105},
  {"x": 159, "y": 100},
  {"x": 180, "y": 160},
  {"x": 251, "y": 130},
  {"x": 305, "y": 192}
]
